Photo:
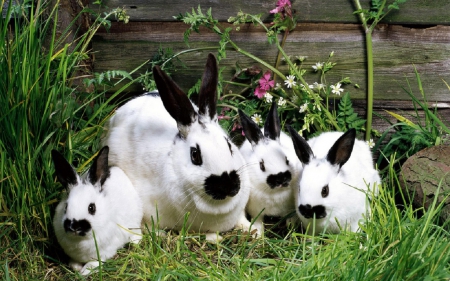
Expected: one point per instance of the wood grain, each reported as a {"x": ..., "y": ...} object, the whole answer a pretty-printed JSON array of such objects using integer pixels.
[
  {"x": 397, "y": 51},
  {"x": 411, "y": 12}
]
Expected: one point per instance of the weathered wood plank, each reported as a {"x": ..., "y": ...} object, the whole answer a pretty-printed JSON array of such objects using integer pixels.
[
  {"x": 397, "y": 50},
  {"x": 413, "y": 11}
]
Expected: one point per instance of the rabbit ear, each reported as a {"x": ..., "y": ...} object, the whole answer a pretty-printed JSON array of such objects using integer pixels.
[
  {"x": 100, "y": 169},
  {"x": 341, "y": 150},
  {"x": 65, "y": 173},
  {"x": 207, "y": 99},
  {"x": 272, "y": 127},
  {"x": 175, "y": 100},
  {"x": 302, "y": 148},
  {"x": 251, "y": 130}
]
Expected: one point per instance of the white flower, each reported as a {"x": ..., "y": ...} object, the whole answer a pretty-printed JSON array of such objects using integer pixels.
[
  {"x": 277, "y": 86},
  {"x": 257, "y": 118},
  {"x": 317, "y": 107},
  {"x": 304, "y": 107},
  {"x": 290, "y": 81},
  {"x": 281, "y": 102},
  {"x": 268, "y": 98},
  {"x": 336, "y": 89},
  {"x": 318, "y": 66},
  {"x": 301, "y": 58},
  {"x": 370, "y": 143}
]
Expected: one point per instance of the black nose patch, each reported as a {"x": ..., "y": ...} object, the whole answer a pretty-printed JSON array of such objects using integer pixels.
[
  {"x": 279, "y": 180},
  {"x": 79, "y": 227},
  {"x": 219, "y": 187},
  {"x": 308, "y": 211}
]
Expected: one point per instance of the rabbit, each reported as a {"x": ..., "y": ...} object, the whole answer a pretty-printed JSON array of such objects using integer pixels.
[
  {"x": 273, "y": 167},
  {"x": 103, "y": 203},
  {"x": 337, "y": 179},
  {"x": 179, "y": 158}
]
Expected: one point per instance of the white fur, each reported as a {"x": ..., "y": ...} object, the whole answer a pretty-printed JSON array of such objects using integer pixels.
[
  {"x": 347, "y": 201},
  {"x": 116, "y": 221},
  {"x": 265, "y": 200},
  {"x": 144, "y": 142}
]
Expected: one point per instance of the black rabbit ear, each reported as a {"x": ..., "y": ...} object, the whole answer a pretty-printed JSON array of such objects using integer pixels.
[
  {"x": 99, "y": 170},
  {"x": 342, "y": 149},
  {"x": 272, "y": 127},
  {"x": 65, "y": 173},
  {"x": 301, "y": 147},
  {"x": 251, "y": 130},
  {"x": 207, "y": 98},
  {"x": 174, "y": 99}
]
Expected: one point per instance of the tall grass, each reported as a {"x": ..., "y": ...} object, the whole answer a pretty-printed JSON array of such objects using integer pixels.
[{"x": 40, "y": 110}]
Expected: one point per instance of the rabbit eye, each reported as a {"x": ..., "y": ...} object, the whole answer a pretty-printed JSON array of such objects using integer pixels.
[
  {"x": 261, "y": 165},
  {"x": 91, "y": 209},
  {"x": 196, "y": 156},
  {"x": 287, "y": 161},
  {"x": 65, "y": 208},
  {"x": 325, "y": 191}
]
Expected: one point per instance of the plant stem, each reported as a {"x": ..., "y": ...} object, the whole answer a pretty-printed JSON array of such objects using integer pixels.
[
  {"x": 368, "y": 31},
  {"x": 369, "y": 83}
]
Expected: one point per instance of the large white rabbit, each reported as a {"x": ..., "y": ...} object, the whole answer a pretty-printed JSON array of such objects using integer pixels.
[
  {"x": 103, "y": 203},
  {"x": 337, "y": 180},
  {"x": 273, "y": 167},
  {"x": 179, "y": 158}
]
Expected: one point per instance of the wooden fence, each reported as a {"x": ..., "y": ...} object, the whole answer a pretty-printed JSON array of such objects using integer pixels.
[{"x": 416, "y": 36}]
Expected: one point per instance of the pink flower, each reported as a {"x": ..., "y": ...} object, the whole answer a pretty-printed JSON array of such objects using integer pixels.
[
  {"x": 281, "y": 4},
  {"x": 265, "y": 84}
]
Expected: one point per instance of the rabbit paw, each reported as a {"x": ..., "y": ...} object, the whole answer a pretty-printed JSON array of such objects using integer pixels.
[
  {"x": 89, "y": 268},
  {"x": 213, "y": 238}
]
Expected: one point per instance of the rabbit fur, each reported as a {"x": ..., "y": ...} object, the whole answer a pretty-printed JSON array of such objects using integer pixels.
[
  {"x": 103, "y": 203},
  {"x": 179, "y": 158},
  {"x": 273, "y": 167},
  {"x": 337, "y": 180}
]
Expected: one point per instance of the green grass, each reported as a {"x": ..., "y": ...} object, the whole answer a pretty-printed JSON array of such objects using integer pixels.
[{"x": 41, "y": 110}]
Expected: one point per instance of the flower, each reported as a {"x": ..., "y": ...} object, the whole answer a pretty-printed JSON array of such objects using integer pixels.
[
  {"x": 281, "y": 5},
  {"x": 303, "y": 108},
  {"x": 317, "y": 66},
  {"x": 277, "y": 86},
  {"x": 289, "y": 82},
  {"x": 281, "y": 102},
  {"x": 370, "y": 143},
  {"x": 265, "y": 84},
  {"x": 268, "y": 97},
  {"x": 336, "y": 89},
  {"x": 257, "y": 119}
]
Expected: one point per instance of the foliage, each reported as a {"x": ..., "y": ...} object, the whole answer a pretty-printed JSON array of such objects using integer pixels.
[
  {"x": 305, "y": 106},
  {"x": 347, "y": 118},
  {"x": 41, "y": 108},
  {"x": 414, "y": 133}
]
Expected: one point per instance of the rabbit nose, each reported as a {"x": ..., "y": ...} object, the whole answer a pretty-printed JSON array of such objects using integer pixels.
[
  {"x": 78, "y": 227},
  {"x": 279, "y": 180},
  {"x": 219, "y": 187},
  {"x": 309, "y": 211}
]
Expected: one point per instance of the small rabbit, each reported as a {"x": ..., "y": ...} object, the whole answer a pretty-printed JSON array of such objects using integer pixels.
[
  {"x": 103, "y": 203},
  {"x": 338, "y": 177},
  {"x": 273, "y": 168},
  {"x": 179, "y": 158}
]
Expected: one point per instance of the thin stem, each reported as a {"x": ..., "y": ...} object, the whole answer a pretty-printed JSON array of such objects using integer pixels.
[
  {"x": 277, "y": 62},
  {"x": 369, "y": 84}
]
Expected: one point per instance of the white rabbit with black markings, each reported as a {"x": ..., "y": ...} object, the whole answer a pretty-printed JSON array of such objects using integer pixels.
[
  {"x": 179, "y": 158},
  {"x": 103, "y": 203},
  {"x": 273, "y": 167},
  {"x": 336, "y": 183}
]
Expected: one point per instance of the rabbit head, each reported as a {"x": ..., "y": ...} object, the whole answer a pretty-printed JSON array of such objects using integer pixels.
[
  {"x": 327, "y": 190},
  {"x": 269, "y": 163},
  {"x": 84, "y": 208},
  {"x": 206, "y": 162}
]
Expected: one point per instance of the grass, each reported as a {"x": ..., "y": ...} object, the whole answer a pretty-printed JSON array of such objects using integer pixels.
[{"x": 40, "y": 109}]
